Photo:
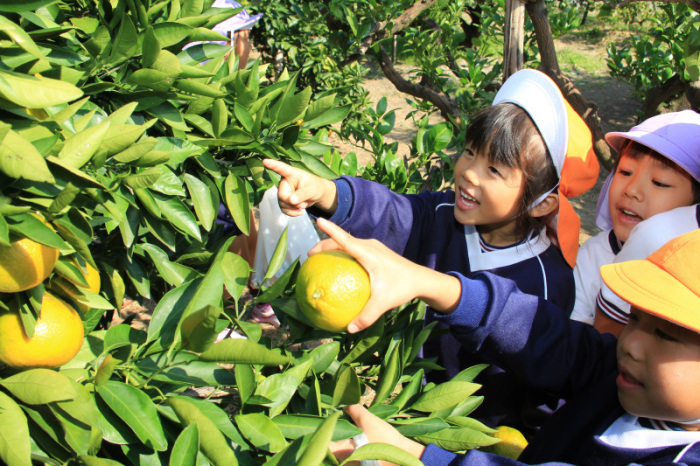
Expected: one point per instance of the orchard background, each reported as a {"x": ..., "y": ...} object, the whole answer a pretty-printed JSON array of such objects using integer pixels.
[{"x": 125, "y": 144}]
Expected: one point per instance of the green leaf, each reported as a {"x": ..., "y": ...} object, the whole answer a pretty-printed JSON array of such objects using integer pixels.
[
  {"x": 384, "y": 452},
  {"x": 16, "y": 6},
  {"x": 170, "y": 33},
  {"x": 296, "y": 425},
  {"x": 150, "y": 48},
  {"x": 144, "y": 179},
  {"x": 184, "y": 451},
  {"x": 239, "y": 351},
  {"x": 219, "y": 117},
  {"x": 19, "y": 37},
  {"x": 20, "y": 159},
  {"x": 329, "y": 117},
  {"x": 445, "y": 395},
  {"x": 221, "y": 420},
  {"x": 137, "y": 150},
  {"x": 212, "y": 442},
  {"x": 457, "y": 439},
  {"x": 261, "y": 432},
  {"x": 237, "y": 202},
  {"x": 280, "y": 388},
  {"x": 125, "y": 44},
  {"x": 39, "y": 386},
  {"x": 198, "y": 88},
  {"x": 414, "y": 427},
  {"x": 168, "y": 64},
  {"x": 198, "y": 328},
  {"x": 36, "y": 92},
  {"x": 324, "y": 355},
  {"x": 290, "y": 108},
  {"x": 389, "y": 376},
  {"x": 178, "y": 215},
  {"x": 80, "y": 147},
  {"x": 438, "y": 137},
  {"x": 15, "y": 446},
  {"x": 205, "y": 209},
  {"x": 278, "y": 256},
  {"x": 236, "y": 274},
  {"x": 347, "y": 387},
  {"x": 137, "y": 410},
  {"x": 317, "y": 448}
]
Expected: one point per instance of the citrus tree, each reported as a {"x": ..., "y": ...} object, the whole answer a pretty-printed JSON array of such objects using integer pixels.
[{"x": 118, "y": 144}]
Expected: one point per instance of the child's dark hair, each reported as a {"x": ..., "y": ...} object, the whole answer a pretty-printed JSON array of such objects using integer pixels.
[
  {"x": 509, "y": 136},
  {"x": 635, "y": 150}
]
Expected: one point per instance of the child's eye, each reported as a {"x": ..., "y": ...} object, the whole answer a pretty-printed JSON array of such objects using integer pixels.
[
  {"x": 663, "y": 335},
  {"x": 468, "y": 153},
  {"x": 494, "y": 170},
  {"x": 661, "y": 185},
  {"x": 624, "y": 172}
]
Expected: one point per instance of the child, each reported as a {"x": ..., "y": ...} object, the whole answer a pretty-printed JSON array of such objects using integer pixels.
[
  {"x": 238, "y": 28},
  {"x": 658, "y": 169},
  {"x": 631, "y": 400},
  {"x": 644, "y": 239},
  {"x": 507, "y": 183}
]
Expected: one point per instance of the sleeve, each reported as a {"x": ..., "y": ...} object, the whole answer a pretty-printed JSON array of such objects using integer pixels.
[
  {"x": 529, "y": 337},
  {"x": 645, "y": 238},
  {"x": 370, "y": 210},
  {"x": 588, "y": 282},
  {"x": 437, "y": 456}
]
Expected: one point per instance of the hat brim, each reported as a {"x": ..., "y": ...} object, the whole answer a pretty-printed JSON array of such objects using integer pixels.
[
  {"x": 539, "y": 96},
  {"x": 658, "y": 144},
  {"x": 648, "y": 287}
]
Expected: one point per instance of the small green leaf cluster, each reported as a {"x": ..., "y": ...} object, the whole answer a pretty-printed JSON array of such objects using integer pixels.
[{"x": 668, "y": 48}]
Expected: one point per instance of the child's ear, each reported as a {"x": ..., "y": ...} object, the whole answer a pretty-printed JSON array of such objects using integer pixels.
[{"x": 548, "y": 205}]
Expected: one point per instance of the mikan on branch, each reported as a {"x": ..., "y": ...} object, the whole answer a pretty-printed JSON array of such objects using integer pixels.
[
  {"x": 24, "y": 264},
  {"x": 331, "y": 289},
  {"x": 58, "y": 336}
]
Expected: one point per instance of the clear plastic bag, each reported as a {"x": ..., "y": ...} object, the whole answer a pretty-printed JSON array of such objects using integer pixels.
[{"x": 301, "y": 236}]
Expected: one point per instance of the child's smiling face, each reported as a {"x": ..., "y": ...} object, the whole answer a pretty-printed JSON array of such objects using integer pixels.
[
  {"x": 659, "y": 364},
  {"x": 643, "y": 186},
  {"x": 487, "y": 194}
]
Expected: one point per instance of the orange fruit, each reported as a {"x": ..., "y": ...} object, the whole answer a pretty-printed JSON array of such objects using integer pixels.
[
  {"x": 331, "y": 289},
  {"x": 24, "y": 264},
  {"x": 512, "y": 442},
  {"x": 58, "y": 336},
  {"x": 62, "y": 285}
]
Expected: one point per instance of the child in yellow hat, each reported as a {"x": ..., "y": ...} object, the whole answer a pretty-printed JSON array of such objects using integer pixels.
[{"x": 632, "y": 400}]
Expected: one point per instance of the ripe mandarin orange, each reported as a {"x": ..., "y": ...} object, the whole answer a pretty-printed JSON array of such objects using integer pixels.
[
  {"x": 58, "y": 336},
  {"x": 331, "y": 289}
]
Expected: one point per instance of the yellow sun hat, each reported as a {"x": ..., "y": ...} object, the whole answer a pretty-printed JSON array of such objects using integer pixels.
[{"x": 665, "y": 284}]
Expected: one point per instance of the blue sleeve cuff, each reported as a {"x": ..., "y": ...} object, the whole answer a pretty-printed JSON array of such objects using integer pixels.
[
  {"x": 345, "y": 198},
  {"x": 436, "y": 455},
  {"x": 473, "y": 303}
]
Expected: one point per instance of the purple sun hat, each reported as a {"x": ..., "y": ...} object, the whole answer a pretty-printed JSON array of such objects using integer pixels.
[{"x": 675, "y": 136}]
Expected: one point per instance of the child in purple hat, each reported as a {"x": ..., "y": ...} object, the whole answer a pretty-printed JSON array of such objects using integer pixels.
[{"x": 657, "y": 170}]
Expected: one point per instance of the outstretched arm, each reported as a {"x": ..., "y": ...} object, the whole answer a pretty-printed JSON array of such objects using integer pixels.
[
  {"x": 394, "y": 280},
  {"x": 299, "y": 189}
]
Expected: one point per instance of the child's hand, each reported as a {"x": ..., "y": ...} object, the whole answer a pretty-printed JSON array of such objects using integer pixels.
[
  {"x": 394, "y": 280},
  {"x": 377, "y": 431},
  {"x": 299, "y": 189}
]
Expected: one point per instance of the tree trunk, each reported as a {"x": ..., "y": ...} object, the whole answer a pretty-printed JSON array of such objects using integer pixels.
[
  {"x": 549, "y": 64},
  {"x": 513, "y": 42}
]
